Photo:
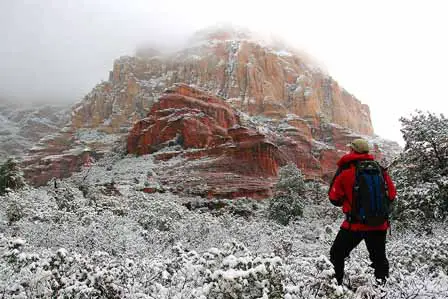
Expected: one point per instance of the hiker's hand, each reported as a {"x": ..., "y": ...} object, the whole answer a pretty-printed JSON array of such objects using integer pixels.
[{"x": 338, "y": 202}]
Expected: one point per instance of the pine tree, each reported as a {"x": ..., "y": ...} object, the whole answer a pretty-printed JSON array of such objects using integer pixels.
[
  {"x": 287, "y": 202},
  {"x": 11, "y": 177},
  {"x": 426, "y": 149},
  {"x": 421, "y": 173}
]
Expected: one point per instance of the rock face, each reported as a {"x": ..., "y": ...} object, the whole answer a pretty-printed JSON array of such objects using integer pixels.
[
  {"x": 255, "y": 77},
  {"x": 183, "y": 116},
  {"x": 223, "y": 153},
  {"x": 245, "y": 108},
  {"x": 22, "y": 125},
  {"x": 224, "y": 158},
  {"x": 56, "y": 156}
]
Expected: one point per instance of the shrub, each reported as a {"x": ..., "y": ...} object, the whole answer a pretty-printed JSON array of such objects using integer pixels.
[
  {"x": 14, "y": 211},
  {"x": 287, "y": 202},
  {"x": 231, "y": 272},
  {"x": 426, "y": 149},
  {"x": 11, "y": 177},
  {"x": 244, "y": 207},
  {"x": 421, "y": 172}
]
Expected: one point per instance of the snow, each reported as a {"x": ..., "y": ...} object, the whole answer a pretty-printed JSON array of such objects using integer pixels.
[
  {"x": 308, "y": 92},
  {"x": 80, "y": 239},
  {"x": 283, "y": 53},
  {"x": 138, "y": 245},
  {"x": 93, "y": 135},
  {"x": 17, "y": 242},
  {"x": 21, "y": 127},
  {"x": 62, "y": 252}
]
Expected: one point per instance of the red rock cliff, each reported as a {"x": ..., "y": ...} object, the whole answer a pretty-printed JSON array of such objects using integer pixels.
[
  {"x": 256, "y": 77},
  {"x": 225, "y": 156},
  {"x": 307, "y": 118}
]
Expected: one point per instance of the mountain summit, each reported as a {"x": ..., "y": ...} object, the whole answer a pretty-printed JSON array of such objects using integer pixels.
[{"x": 255, "y": 76}]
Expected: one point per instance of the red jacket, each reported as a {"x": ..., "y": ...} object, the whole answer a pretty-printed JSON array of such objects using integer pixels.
[{"x": 341, "y": 190}]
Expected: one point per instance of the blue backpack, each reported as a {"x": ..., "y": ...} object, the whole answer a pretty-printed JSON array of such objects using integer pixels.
[{"x": 370, "y": 204}]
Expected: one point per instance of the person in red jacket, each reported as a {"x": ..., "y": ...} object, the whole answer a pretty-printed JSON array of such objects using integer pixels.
[{"x": 351, "y": 233}]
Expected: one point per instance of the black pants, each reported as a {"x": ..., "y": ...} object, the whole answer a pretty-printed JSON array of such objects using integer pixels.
[{"x": 346, "y": 241}]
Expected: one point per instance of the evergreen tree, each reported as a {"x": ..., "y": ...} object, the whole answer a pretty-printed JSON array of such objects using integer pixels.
[
  {"x": 421, "y": 173},
  {"x": 426, "y": 149},
  {"x": 11, "y": 177},
  {"x": 289, "y": 192}
]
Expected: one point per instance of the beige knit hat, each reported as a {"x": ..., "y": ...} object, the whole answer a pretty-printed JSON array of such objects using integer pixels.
[{"x": 360, "y": 146}]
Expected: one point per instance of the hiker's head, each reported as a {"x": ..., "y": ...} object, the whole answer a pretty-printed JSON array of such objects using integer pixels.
[{"x": 360, "y": 146}]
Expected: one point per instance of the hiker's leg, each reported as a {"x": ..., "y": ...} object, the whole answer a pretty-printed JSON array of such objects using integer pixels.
[
  {"x": 342, "y": 246},
  {"x": 376, "y": 245}
]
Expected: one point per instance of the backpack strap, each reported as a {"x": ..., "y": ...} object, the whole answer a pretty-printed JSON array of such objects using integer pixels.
[
  {"x": 386, "y": 188},
  {"x": 339, "y": 171},
  {"x": 386, "y": 191},
  {"x": 350, "y": 216}
]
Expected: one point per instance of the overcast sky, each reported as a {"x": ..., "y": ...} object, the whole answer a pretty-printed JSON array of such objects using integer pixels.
[{"x": 392, "y": 55}]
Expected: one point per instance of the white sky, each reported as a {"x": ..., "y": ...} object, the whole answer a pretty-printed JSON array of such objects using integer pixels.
[{"x": 392, "y": 55}]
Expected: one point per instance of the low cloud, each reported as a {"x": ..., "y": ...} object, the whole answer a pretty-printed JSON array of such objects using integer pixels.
[{"x": 56, "y": 51}]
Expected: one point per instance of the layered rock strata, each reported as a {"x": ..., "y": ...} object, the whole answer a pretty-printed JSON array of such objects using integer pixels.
[
  {"x": 224, "y": 153},
  {"x": 255, "y": 77},
  {"x": 245, "y": 108}
]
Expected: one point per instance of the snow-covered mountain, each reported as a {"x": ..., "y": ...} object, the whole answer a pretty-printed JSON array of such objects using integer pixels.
[
  {"x": 283, "y": 102},
  {"x": 258, "y": 76},
  {"x": 22, "y": 125}
]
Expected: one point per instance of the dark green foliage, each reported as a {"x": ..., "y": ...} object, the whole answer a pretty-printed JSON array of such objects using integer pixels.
[
  {"x": 426, "y": 149},
  {"x": 287, "y": 202},
  {"x": 421, "y": 173},
  {"x": 241, "y": 207},
  {"x": 317, "y": 191},
  {"x": 14, "y": 211},
  {"x": 11, "y": 177}
]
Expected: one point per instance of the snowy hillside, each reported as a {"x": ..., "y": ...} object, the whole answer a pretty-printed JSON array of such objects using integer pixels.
[
  {"x": 95, "y": 235},
  {"x": 21, "y": 127}
]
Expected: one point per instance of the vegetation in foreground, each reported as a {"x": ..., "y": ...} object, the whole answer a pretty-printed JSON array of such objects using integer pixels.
[{"x": 89, "y": 238}]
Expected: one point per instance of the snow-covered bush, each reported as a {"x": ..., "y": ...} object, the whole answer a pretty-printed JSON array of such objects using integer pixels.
[
  {"x": 14, "y": 210},
  {"x": 317, "y": 191},
  {"x": 157, "y": 214},
  {"x": 313, "y": 279},
  {"x": 421, "y": 173},
  {"x": 11, "y": 177},
  {"x": 426, "y": 148},
  {"x": 242, "y": 207},
  {"x": 130, "y": 244},
  {"x": 61, "y": 274},
  {"x": 418, "y": 203},
  {"x": 65, "y": 199},
  {"x": 230, "y": 272},
  {"x": 241, "y": 274},
  {"x": 287, "y": 202}
]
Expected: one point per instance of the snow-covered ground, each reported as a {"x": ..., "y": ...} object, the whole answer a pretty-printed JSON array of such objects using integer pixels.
[{"x": 95, "y": 235}]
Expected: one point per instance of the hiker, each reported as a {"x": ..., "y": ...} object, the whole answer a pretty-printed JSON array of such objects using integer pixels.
[{"x": 364, "y": 190}]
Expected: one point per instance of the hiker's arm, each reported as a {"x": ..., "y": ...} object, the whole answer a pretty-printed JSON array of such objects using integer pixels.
[
  {"x": 392, "y": 191},
  {"x": 338, "y": 172},
  {"x": 336, "y": 193}
]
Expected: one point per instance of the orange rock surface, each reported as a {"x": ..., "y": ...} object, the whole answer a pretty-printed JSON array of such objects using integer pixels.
[
  {"x": 257, "y": 78},
  {"x": 224, "y": 156}
]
